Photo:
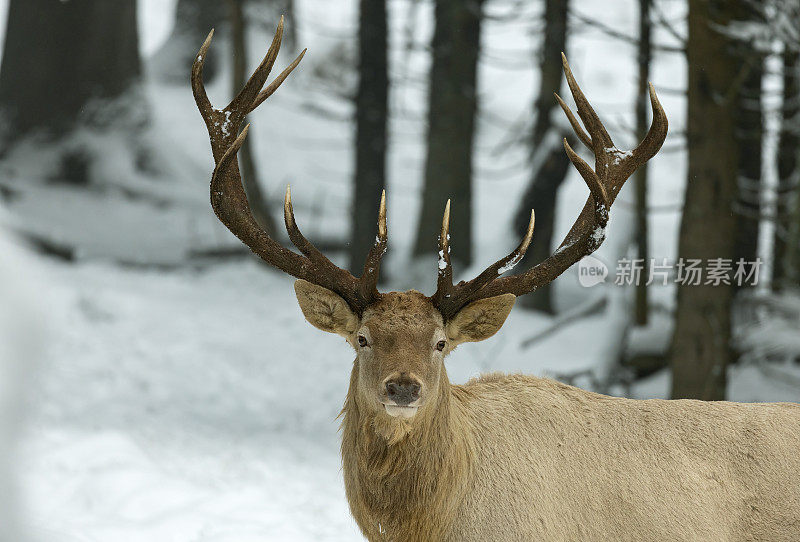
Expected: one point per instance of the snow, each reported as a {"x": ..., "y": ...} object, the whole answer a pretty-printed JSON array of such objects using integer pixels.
[
  {"x": 618, "y": 154},
  {"x": 182, "y": 413},
  {"x": 226, "y": 125},
  {"x": 511, "y": 264},
  {"x": 21, "y": 335},
  {"x": 193, "y": 403},
  {"x": 599, "y": 235}
]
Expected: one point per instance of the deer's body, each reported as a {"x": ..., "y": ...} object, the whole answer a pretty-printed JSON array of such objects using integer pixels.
[
  {"x": 512, "y": 458},
  {"x": 550, "y": 462}
]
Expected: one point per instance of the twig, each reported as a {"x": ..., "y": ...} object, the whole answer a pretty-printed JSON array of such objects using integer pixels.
[{"x": 588, "y": 309}]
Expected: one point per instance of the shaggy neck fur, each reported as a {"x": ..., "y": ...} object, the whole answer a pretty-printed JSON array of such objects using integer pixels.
[{"x": 405, "y": 478}]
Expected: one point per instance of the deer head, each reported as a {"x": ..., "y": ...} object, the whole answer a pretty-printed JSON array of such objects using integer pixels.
[
  {"x": 401, "y": 341},
  {"x": 401, "y": 338}
]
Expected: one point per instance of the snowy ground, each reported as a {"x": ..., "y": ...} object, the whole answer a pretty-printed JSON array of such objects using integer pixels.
[{"x": 194, "y": 404}]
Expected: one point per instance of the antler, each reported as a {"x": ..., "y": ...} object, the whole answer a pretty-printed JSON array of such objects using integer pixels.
[
  {"x": 612, "y": 169},
  {"x": 230, "y": 202}
]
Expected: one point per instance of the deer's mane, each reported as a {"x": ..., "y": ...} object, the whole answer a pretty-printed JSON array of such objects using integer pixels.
[{"x": 406, "y": 477}]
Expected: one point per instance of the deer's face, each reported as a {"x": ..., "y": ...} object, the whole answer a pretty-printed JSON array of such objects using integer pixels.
[
  {"x": 400, "y": 342},
  {"x": 400, "y": 347}
]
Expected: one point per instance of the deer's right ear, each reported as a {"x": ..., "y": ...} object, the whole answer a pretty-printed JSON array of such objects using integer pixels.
[{"x": 325, "y": 309}]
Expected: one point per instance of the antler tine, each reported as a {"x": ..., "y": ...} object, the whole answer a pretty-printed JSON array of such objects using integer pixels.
[
  {"x": 576, "y": 126},
  {"x": 612, "y": 168},
  {"x": 296, "y": 237},
  {"x": 444, "y": 279},
  {"x": 272, "y": 87},
  {"x": 503, "y": 265},
  {"x": 448, "y": 304},
  {"x": 585, "y": 111},
  {"x": 656, "y": 134},
  {"x": 248, "y": 95},
  {"x": 598, "y": 191},
  {"x": 372, "y": 265},
  {"x": 198, "y": 88}
]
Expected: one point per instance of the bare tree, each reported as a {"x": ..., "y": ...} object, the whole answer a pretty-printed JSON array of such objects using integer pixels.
[
  {"x": 371, "y": 126},
  {"x": 59, "y": 56},
  {"x": 643, "y": 57},
  {"x": 778, "y": 23},
  {"x": 792, "y": 257},
  {"x": 550, "y": 164},
  {"x": 700, "y": 348},
  {"x": 193, "y": 20},
  {"x": 749, "y": 132},
  {"x": 787, "y": 236},
  {"x": 452, "y": 104}
]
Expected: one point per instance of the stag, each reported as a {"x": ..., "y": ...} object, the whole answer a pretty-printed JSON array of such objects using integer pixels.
[{"x": 512, "y": 457}]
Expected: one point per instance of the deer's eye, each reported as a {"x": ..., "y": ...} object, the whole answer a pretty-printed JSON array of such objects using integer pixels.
[
  {"x": 440, "y": 345},
  {"x": 362, "y": 341}
]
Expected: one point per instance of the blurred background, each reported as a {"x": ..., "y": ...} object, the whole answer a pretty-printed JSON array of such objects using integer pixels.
[{"x": 158, "y": 382}]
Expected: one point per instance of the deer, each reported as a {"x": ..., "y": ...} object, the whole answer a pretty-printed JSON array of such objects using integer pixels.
[{"x": 511, "y": 457}]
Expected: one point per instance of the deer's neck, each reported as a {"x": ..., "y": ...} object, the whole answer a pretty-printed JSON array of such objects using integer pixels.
[{"x": 406, "y": 482}]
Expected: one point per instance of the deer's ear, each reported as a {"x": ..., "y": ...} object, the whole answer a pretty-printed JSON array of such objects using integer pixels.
[
  {"x": 325, "y": 309},
  {"x": 480, "y": 319}
]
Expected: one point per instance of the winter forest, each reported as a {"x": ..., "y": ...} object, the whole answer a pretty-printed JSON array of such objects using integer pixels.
[{"x": 158, "y": 381}]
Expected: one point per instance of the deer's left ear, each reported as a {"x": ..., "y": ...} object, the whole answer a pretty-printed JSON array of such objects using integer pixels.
[
  {"x": 480, "y": 319},
  {"x": 325, "y": 309}
]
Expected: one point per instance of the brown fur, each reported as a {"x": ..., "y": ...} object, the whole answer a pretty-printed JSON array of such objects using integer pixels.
[{"x": 518, "y": 458}]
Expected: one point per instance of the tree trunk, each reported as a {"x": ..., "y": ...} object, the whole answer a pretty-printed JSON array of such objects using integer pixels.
[
  {"x": 372, "y": 111},
  {"x": 550, "y": 162},
  {"x": 788, "y": 173},
  {"x": 640, "y": 179},
  {"x": 258, "y": 201},
  {"x": 700, "y": 349},
  {"x": 193, "y": 21},
  {"x": 289, "y": 13},
  {"x": 749, "y": 132},
  {"x": 58, "y": 56},
  {"x": 452, "y": 107},
  {"x": 792, "y": 258}
]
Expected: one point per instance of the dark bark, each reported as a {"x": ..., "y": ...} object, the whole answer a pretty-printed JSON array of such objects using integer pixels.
[
  {"x": 193, "y": 21},
  {"x": 550, "y": 172},
  {"x": 452, "y": 107},
  {"x": 749, "y": 133},
  {"x": 290, "y": 15},
  {"x": 792, "y": 258},
  {"x": 700, "y": 349},
  {"x": 783, "y": 272},
  {"x": 58, "y": 56},
  {"x": 371, "y": 128},
  {"x": 259, "y": 204},
  {"x": 644, "y": 55}
]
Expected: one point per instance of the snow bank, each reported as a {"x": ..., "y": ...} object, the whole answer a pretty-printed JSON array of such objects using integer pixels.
[{"x": 20, "y": 347}]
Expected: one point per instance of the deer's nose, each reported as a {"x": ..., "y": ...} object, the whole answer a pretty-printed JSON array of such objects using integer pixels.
[{"x": 403, "y": 390}]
